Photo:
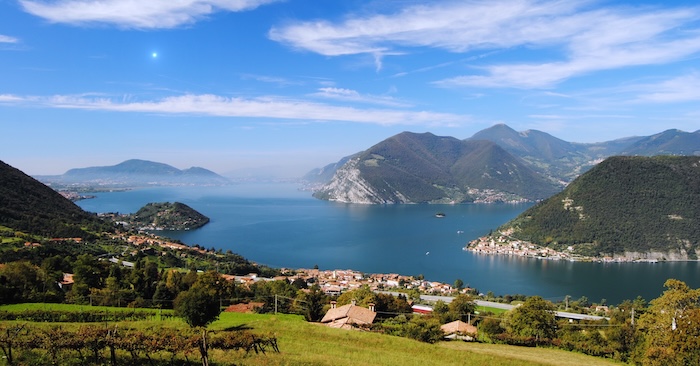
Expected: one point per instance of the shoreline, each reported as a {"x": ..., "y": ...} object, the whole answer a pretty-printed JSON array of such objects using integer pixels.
[{"x": 505, "y": 244}]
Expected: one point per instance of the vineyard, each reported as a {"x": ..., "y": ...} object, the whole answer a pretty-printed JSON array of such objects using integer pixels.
[{"x": 90, "y": 344}]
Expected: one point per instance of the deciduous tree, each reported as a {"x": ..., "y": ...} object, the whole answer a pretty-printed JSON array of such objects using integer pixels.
[{"x": 534, "y": 318}]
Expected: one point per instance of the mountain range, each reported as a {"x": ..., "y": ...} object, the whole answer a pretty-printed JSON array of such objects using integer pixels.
[
  {"x": 136, "y": 172},
  {"x": 495, "y": 164},
  {"x": 632, "y": 207}
]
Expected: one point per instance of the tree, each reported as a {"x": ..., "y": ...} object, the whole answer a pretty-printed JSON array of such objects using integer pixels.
[
  {"x": 312, "y": 303},
  {"x": 534, "y": 318},
  {"x": 198, "y": 306},
  {"x": 670, "y": 325},
  {"x": 442, "y": 311},
  {"x": 363, "y": 296},
  {"x": 462, "y": 306},
  {"x": 459, "y": 284}
]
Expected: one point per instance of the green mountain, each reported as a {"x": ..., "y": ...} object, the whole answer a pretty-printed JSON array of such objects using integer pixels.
[
  {"x": 167, "y": 216},
  {"x": 136, "y": 172},
  {"x": 419, "y": 168},
  {"x": 669, "y": 142},
  {"x": 31, "y": 207},
  {"x": 555, "y": 158},
  {"x": 623, "y": 206}
]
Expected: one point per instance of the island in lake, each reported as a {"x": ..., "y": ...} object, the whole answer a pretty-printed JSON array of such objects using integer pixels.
[{"x": 164, "y": 216}]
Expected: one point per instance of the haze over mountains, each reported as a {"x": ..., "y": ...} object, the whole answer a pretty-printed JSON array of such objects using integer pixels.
[
  {"x": 529, "y": 165},
  {"x": 137, "y": 172}
]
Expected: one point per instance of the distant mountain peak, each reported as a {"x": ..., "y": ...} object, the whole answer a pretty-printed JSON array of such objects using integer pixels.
[{"x": 141, "y": 172}]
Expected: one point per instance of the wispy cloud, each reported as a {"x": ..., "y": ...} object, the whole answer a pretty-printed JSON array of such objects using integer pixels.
[
  {"x": 8, "y": 39},
  {"x": 280, "y": 81},
  {"x": 265, "y": 107},
  {"x": 578, "y": 37},
  {"x": 349, "y": 95},
  {"x": 139, "y": 14},
  {"x": 684, "y": 88}
]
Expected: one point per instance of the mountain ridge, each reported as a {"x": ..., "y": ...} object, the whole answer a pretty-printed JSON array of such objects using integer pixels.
[
  {"x": 419, "y": 168},
  {"x": 557, "y": 161},
  {"x": 137, "y": 172}
]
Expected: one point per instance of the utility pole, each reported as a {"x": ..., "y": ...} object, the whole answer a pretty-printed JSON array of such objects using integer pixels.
[{"x": 275, "y": 304}]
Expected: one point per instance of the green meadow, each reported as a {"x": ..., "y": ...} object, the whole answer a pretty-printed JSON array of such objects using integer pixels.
[{"x": 303, "y": 343}]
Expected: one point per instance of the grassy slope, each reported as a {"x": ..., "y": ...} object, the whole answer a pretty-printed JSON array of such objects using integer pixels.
[{"x": 303, "y": 343}]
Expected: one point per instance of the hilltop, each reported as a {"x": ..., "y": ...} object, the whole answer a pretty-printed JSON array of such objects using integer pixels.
[
  {"x": 417, "y": 168},
  {"x": 29, "y": 206},
  {"x": 632, "y": 207}
]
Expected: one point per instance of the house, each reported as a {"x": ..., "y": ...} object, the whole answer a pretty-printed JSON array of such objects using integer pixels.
[
  {"x": 67, "y": 282},
  {"x": 459, "y": 330},
  {"x": 348, "y": 316},
  {"x": 422, "y": 309}
]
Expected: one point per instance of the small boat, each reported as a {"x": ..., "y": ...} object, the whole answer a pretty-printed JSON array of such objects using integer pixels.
[
  {"x": 440, "y": 214},
  {"x": 426, "y": 253}
]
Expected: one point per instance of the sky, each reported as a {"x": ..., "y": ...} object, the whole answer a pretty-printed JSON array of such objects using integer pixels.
[{"x": 272, "y": 87}]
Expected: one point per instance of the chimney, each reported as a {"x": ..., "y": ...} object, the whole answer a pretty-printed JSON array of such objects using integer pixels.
[
  {"x": 333, "y": 304},
  {"x": 371, "y": 307}
]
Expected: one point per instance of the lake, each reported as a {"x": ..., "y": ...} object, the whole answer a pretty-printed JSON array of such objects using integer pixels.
[{"x": 281, "y": 226}]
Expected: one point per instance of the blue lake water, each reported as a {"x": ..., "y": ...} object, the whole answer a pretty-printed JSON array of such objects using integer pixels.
[{"x": 280, "y": 226}]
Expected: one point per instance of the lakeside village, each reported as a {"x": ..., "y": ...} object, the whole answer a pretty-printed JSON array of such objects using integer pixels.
[
  {"x": 332, "y": 282},
  {"x": 504, "y": 243}
]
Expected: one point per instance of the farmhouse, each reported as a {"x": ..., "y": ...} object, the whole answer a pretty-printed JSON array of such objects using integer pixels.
[{"x": 348, "y": 316}]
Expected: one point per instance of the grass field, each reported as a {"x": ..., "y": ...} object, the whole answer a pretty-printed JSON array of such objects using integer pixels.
[{"x": 303, "y": 343}]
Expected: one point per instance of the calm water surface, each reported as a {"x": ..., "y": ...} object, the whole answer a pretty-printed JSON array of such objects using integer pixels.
[{"x": 280, "y": 226}]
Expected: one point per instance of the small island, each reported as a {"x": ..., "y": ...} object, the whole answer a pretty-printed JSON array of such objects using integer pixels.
[{"x": 165, "y": 216}]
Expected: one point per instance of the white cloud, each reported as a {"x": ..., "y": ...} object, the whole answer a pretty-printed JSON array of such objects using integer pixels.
[
  {"x": 576, "y": 38},
  {"x": 684, "y": 88},
  {"x": 8, "y": 39},
  {"x": 266, "y": 107},
  {"x": 456, "y": 26},
  {"x": 9, "y": 98},
  {"x": 140, "y": 14},
  {"x": 349, "y": 95}
]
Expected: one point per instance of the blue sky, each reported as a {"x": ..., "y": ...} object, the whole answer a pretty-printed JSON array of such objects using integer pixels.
[{"x": 241, "y": 86}]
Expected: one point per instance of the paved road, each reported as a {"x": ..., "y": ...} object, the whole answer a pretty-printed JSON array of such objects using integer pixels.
[{"x": 498, "y": 305}]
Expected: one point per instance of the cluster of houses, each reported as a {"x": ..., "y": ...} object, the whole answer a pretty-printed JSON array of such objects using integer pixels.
[
  {"x": 335, "y": 282},
  {"x": 505, "y": 244}
]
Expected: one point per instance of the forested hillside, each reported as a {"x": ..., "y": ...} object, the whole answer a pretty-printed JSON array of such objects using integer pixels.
[
  {"x": 167, "y": 216},
  {"x": 624, "y": 204},
  {"x": 29, "y": 206}
]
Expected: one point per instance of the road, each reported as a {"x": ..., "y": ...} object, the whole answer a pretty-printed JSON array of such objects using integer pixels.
[{"x": 498, "y": 305}]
